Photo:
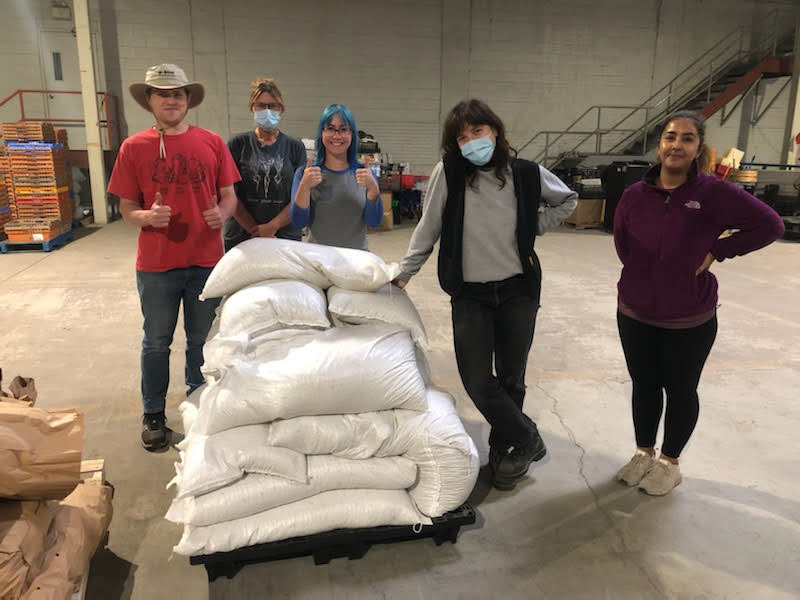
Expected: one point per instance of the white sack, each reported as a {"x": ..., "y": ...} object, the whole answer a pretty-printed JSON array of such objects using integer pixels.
[
  {"x": 423, "y": 366},
  {"x": 338, "y": 509},
  {"x": 336, "y": 371},
  {"x": 268, "y": 305},
  {"x": 256, "y": 493},
  {"x": 259, "y": 259},
  {"x": 435, "y": 441},
  {"x": 444, "y": 453},
  {"x": 219, "y": 352},
  {"x": 209, "y": 462},
  {"x": 389, "y": 304},
  {"x": 188, "y": 408},
  {"x": 351, "y": 436}
]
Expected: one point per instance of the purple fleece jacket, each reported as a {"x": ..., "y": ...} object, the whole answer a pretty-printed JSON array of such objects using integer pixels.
[{"x": 662, "y": 237}]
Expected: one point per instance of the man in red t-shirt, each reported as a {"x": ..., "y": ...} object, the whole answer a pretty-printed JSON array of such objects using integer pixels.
[{"x": 175, "y": 182}]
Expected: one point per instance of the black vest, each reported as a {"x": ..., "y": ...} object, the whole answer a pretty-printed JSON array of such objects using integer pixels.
[{"x": 528, "y": 191}]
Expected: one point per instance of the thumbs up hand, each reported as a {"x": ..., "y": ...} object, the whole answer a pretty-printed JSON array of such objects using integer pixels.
[
  {"x": 159, "y": 213},
  {"x": 312, "y": 176},
  {"x": 366, "y": 179},
  {"x": 213, "y": 215}
]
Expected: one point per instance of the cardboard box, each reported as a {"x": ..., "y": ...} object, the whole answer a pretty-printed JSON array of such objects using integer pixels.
[
  {"x": 588, "y": 214},
  {"x": 387, "y": 223}
]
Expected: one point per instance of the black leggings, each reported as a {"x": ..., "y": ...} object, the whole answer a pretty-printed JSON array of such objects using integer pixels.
[{"x": 665, "y": 359}]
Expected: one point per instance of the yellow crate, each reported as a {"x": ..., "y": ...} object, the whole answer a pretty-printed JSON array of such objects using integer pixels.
[{"x": 40, "y": 190}]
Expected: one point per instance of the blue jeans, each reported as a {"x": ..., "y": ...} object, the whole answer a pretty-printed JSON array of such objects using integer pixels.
[
  {"x": 161, "y": 295},
  {"x": 493, "y": 326}
]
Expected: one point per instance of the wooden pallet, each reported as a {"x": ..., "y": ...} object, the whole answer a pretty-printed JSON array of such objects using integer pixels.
[
  {"x": 90, "y": 469},
  {"x": 581, "y": 226}
]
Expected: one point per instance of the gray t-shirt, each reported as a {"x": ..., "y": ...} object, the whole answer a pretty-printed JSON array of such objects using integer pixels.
[{"x": 337, "y": 211}]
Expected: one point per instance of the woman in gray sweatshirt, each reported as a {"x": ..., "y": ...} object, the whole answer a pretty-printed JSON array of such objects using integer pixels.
[{"x": 483, "y": 203}]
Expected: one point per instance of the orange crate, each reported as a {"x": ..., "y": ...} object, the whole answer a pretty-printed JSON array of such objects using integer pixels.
[
  {"x": 19, "y": 236},
  {"x": 33, "y": 230},
  {"x": 56, "y": 180},
  {"x": 62, "y": 211},
  {"x": 33, "y": 131},
  {"x": 33, "y": 155}
]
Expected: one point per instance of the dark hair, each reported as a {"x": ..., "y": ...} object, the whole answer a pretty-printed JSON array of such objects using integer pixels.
[
  {"x": 689, "y": 115},
  {"x": 702, "y": 157},
  {"x": 476, "y": 112}
]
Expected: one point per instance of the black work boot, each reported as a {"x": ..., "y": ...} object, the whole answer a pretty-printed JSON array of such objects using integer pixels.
[
  {"x": 514, "y": 465},
  {"x": 495, "y": 456},
  {"x": 155, "y": 433}
]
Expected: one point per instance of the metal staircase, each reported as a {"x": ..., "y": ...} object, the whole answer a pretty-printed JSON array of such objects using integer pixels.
[{"x": 730, "y": 68}]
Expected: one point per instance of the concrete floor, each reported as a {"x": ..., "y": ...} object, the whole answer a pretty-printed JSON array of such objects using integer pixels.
[{"x": 731, "y": 530}]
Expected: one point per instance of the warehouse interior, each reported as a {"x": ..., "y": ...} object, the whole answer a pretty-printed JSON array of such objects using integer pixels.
[{"x": 579, "y": 85}]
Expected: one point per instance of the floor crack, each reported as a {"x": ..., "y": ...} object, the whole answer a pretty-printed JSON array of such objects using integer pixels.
[
  {"x": 626, "y": 551},
  {"x": 22, "y": 270}
]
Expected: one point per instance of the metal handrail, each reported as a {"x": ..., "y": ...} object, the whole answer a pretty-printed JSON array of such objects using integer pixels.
[
  {"x": 588, "y": 134},
  {"x": 105, "y": 97},
  {"x": 696, "y": 78}
]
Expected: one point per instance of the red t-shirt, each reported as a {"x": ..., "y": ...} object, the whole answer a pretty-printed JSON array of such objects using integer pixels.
[{"x": 196, "y": 166}]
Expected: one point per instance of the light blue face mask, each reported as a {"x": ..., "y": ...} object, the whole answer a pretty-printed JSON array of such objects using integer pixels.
[
  {"x": 479, "y": 151},
  {"x": 267, "y": 119}
]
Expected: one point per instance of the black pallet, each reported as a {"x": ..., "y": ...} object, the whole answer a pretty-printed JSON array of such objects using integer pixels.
[{"x": 352, "y": 543}]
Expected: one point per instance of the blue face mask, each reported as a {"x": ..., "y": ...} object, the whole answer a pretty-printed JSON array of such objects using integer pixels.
[
  {"x": 479, "y": 151},
  {"x": 267, "y": 119}
]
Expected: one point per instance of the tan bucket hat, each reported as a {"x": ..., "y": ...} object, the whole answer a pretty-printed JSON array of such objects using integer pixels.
[{"x": 167, "y": 77}]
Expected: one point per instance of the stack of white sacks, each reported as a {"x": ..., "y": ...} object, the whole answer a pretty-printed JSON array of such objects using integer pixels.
[{"x": 318, "y": 412}]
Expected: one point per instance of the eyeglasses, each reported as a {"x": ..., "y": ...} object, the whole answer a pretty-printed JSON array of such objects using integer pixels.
[
  {"x": 331, "y": 130},
  {"x": 271, "y": 106}
]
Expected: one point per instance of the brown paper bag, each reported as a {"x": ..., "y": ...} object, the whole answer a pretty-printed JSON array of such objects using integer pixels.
[
  {"x": 22, "y": 390},
  {"x": 79, "y": 523},
  {"x": 23, "y": 527},
  {"x": 40, "y": 452}
]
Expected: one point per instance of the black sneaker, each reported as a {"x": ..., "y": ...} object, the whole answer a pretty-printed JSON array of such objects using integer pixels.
[
  {"x": 515, "y": 464},
  {"x": 155, "y": 433}
]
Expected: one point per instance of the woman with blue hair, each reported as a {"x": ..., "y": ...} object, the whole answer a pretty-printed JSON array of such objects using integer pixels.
[{"x": 335, "y": 195}]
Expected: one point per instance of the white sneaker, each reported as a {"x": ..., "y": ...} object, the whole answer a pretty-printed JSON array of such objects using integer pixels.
[
  {"x": 633, "y": 472},
  {"x": 661, "y": 479}
]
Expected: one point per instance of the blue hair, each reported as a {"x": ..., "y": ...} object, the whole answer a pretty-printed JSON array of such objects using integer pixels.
[{"x": 346, "y": 116}]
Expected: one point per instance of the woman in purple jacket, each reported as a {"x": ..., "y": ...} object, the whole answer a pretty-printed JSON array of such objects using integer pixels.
[{"x": 667, "y": 233}]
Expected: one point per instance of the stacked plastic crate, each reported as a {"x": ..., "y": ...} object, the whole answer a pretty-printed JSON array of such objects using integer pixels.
[
  {"x": 43, "y": 208},
  {"x": 5, "y": 171},
  {"x": 5, "y": 209}
]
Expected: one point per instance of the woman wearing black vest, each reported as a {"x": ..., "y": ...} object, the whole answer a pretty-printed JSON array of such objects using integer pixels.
[{"x": 483, "y": 203}]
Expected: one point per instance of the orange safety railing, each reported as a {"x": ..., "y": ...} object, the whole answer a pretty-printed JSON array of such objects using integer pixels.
[{"x": 107, "y": 123}]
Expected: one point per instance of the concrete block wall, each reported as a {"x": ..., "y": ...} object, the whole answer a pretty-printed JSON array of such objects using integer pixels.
[
  {"x": 765, "y": 139},
  {"x": 146, "y": 32},
  {"x": 400, "y": 66},
  {"x": 381, "y": 60},
  {"x": 20, "y": 56}
]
